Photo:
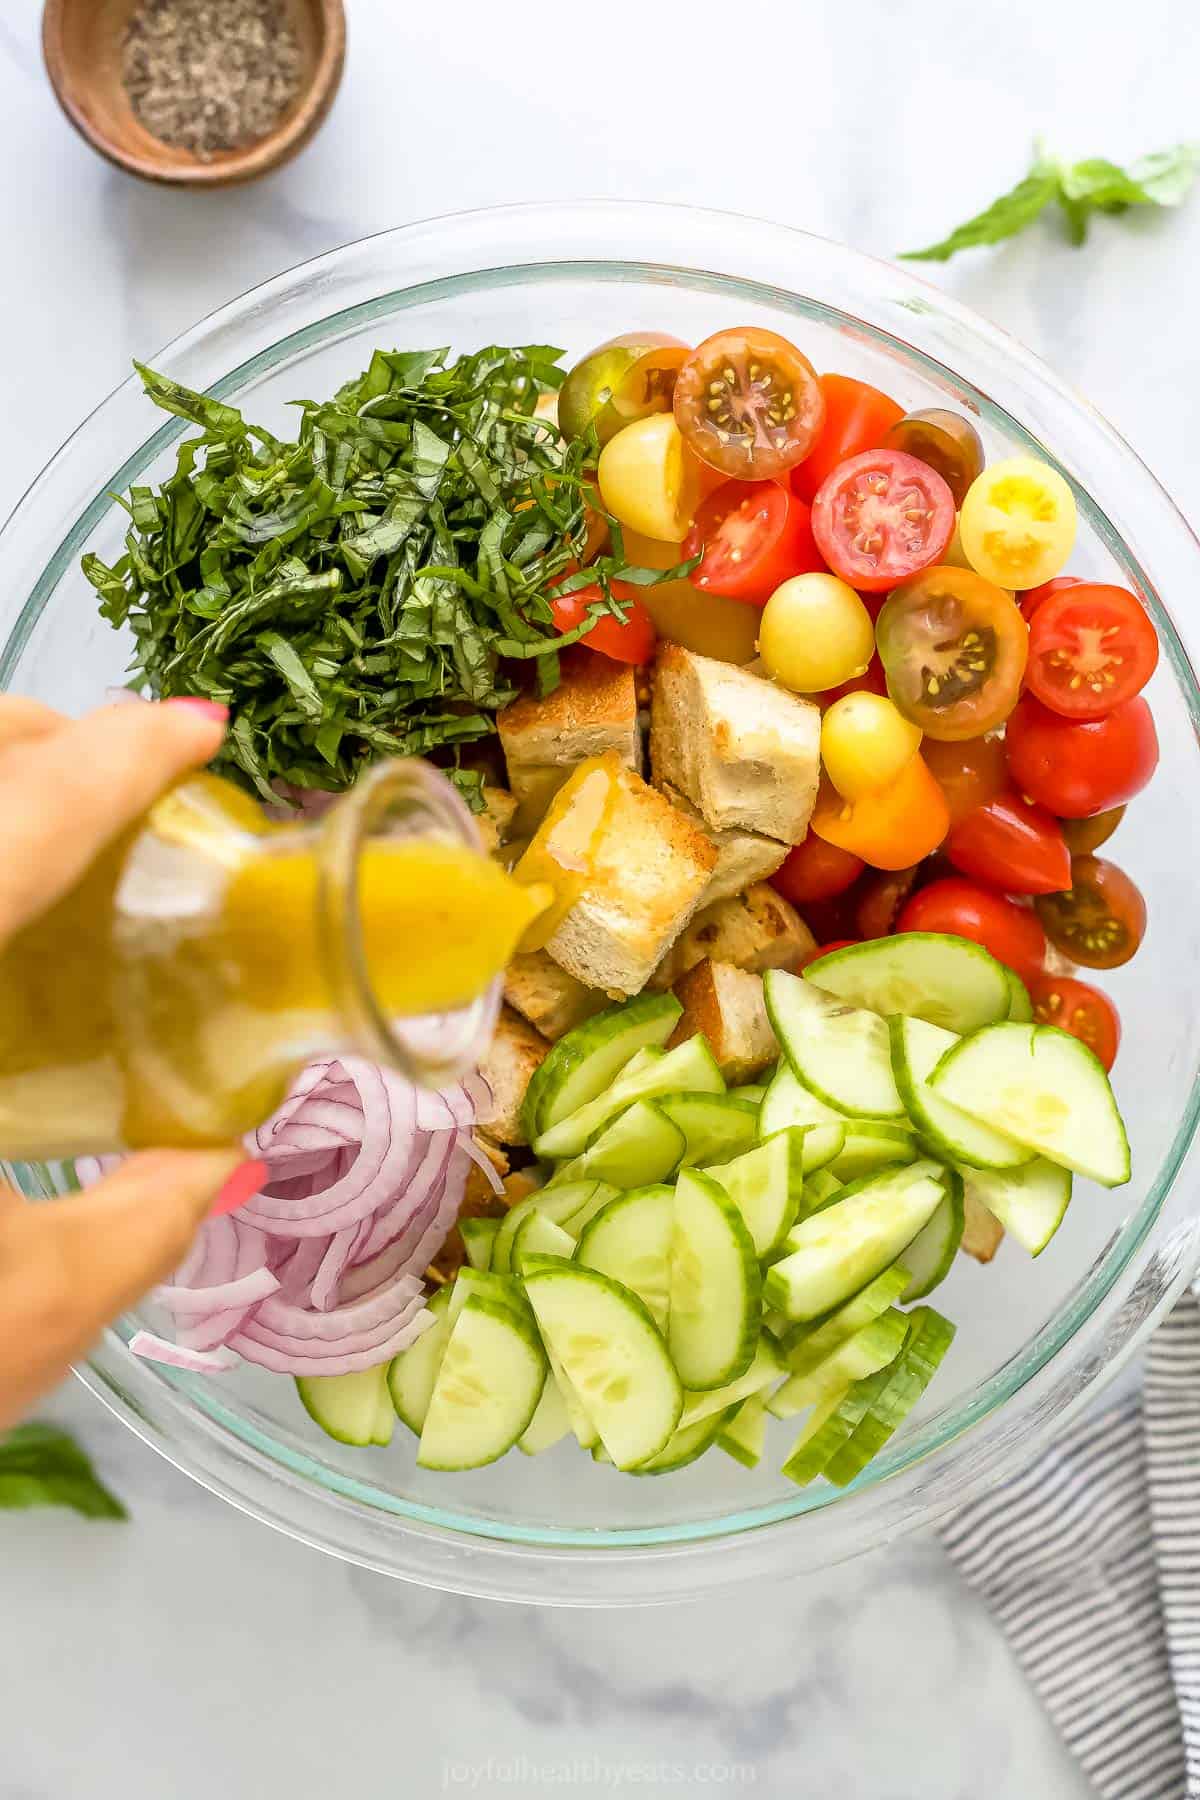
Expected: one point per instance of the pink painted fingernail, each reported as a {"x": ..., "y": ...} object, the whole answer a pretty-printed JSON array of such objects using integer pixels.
[
  {"x": 212, "y": 709},
  {"x": 240, "y": 1187}
]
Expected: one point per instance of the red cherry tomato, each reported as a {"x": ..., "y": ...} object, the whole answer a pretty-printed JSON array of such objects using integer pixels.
[
  {"x": 1012, "y": 845},
  {"x": 857, "y": 418},
  {"x": 815, "y": 870},
  {"x": 753, "y": 535},
  {"x": 824, "y": 950},
  {"x": 1090, "y": 647},
  {"x": 880, "y": 517},
  {"x": 1079, "y": 1008},
  {"x": 1033, "y": 598},
  {"x": 1011, "y": 932},
  {"x": 873, "y": 680},
  {"x": 1076, "y": 767},
  {"x": 628, "y": 641},
  {"x": 748, "y": 403},
  {"x": 879, "y": 899}
]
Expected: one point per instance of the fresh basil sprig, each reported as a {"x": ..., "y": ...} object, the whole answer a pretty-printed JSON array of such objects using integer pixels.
[
  {"x": 1080, "y": 189},
  {"x": 42, "y": 1466}
]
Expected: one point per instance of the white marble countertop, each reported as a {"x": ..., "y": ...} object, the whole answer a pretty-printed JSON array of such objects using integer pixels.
[{"x": 194, "y": 1649}]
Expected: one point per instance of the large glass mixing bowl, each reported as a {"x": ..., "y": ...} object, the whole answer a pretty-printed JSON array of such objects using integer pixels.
[{"x": 1035, "y": 1339}]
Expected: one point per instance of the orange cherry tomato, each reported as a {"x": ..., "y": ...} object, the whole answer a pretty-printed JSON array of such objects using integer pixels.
[
  {"x": 630, "y": 640},
  {"x": 890, "y": 829},
  {"x": 815, "y": 870},
  {"x": 969, "y": 771},
  {"x": 1079, "y": 1008},
  {"x": 748, "y": 403},
  {"x": 857, "y": 418}
]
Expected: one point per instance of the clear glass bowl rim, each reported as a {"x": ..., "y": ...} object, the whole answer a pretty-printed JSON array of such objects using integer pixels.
[{"x": 1108, "y": 1314}]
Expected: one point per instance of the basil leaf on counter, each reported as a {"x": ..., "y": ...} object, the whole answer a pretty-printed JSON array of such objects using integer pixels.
[{"x": 43, "y": 1466}]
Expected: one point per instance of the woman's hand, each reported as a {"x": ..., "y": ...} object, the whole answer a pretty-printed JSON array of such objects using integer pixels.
[{"x": 67, "y": 787}]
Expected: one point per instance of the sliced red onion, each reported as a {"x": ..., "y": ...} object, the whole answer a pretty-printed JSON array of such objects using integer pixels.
[
  {"x": 241, "y": 1292},
  {"x": 200, "y": 1362}
]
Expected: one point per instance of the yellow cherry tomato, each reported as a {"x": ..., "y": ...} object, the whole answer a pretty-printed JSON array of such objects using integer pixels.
[
  {"x": 866, "y": 743},
  {"x": 1017, "y": 523},
  {"x": 815, "y": 633},
  {"x": 649, "y": 479}
]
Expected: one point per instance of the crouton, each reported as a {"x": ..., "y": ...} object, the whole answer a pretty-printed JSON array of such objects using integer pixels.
[
  {"x": 647, "y": 869},
  {"x": 515, "y": 1052},
  {"x": 591, "y": 711},
  {"x": 497, "y": 815},
  {"x": 727, "y": 1006},
  {"x": 982, "y": 1230},
  {"x": 745, "y": 752},
  {"x": 756, "y": 930},
  {"x": 552, "y": 1001},
  {"x": 743, "y": 857}
]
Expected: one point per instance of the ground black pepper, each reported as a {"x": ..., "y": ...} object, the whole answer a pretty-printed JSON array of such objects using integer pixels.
[{"x": 210, "y": 75}]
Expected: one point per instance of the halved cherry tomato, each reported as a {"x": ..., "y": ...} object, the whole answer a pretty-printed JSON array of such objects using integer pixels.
[
  {"x": 1079, "y": 1008},
  {"x": 857, "y": 417},
  {"x": 815, "y": 870},
  {"x": 969, "y": 773},
  {"x": 1076, "y": 767},
  {"x": 1011, "y": 932},
  {"x": 629, "y": 641},
  {"x": 954, "y": 647},
  {"x": 879, "y": 899},
  {"x": 1100, "y": 920},
  {"x": 1035, "y": 598},
  {"x": 1085, "y": 835},
  {"x": 891, "y": 828},
  {"x": 880, "y": 517},
  {"x": 749, "y": 403},
  {"x": 824, "y": 950},
  {"x": 1090, "y": 647},
  {"x": 1017, "y": 522},
  {"x": 946, "y": 441},
  {"x": 627, "y": 378},
  {"x": 1014, "y": 845},
  {"x": 753, "y": 535}
]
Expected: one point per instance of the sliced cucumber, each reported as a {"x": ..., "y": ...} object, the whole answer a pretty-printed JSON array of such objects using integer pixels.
[
  {"x": 487, "y": 1389},
  {"x": 549, "y": 1424},
  {"x": 892, "y": 1394},
  {"x": 873, "y": 1144},
  {"x": 478, "y": 1236},
  {"x": 585, "y": 1433},
  {"x": 630, "y": 1241},
  {"x": 952, "y": 1135},
  {"x": 930, "y": 975},
  {"x": 560, "y": 1202},
  {"x": 1031, "y": 1202},
  {"x": 787, "y": 1104},
  {"x": 835, "y": 1252},
  {"x": 869, "y": 1350},
  {"x": 589, "y": 1059},
  {"x": 750, "y": 1090},
  {"x": 807, "y": 1346},
  {"x": 354, "y": 1409},
  {"x": 1044, "y": 1088},
  {"x": 839, "y": 1052},
  {"x": 645, "y": 1059},
  {"x": 768, "y": 1366},
  {"x": 1020, "y": 1006},
  {"x": 689, "y": 1068},
  {"x": 716, "y": 1287},
  {"x": 820, "y": 1188},
  {"x": 540, "y": 1236},
  {"x": 411, "y": 1374},
  {"x": 714, "y": 1126},
  {"x": 827, "y": 1430},
  {"x": 743, "y": 1433},
  {"x": 686, "y": 1445},
  {"x": 486, "y": 1284},
  {"x": 639, "y": 1148},
  {"x": 930, "y": 1256},
  {"x": 613, "y": 1356},
  {"x": 766, "y": 1185}
]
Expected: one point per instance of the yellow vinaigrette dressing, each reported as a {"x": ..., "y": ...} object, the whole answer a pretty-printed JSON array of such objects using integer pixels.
[{"x": 172, "y": 996}]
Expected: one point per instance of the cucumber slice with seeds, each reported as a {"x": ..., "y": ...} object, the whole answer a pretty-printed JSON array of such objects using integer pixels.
[
  {"x": 892, "y": 1394},
  {"x": 1044, "y": 1088},
  {"x": 873, "y": 1144},
  {"x": 689, "y": 1068},
  {"x": 868, "y": 1351},
  {"x": 930, "y": 975},
  {"x": 786, "y": 1104},
  {"x": 839, "y": 1052},
  {"x": 485, "y": 1284},
  {"x": 411, "y": 1374},
  {"x": 714, "y": 1126},
  {"x": 930, "y": 1256},
  {"x": 589, "y": 1059},
  {"x": 1030, "y": 1202},
  {"x": 743, "y": 1433},
  {"x": 835, "y": 1252},
  {"x": 766, "y": 1185},
  {"x": 630, "y": 1241},
  {"x": 353, "y": 1409},
  {"x": 638, "y": 1149},
  {"x": 716, "y": 1288},
  {"x": 917, "y": 1049},
  {"x": 613, "y": 1356},
  {"x": 478, "y": 1236},
  {"x": 540, "y": 1236},
  {"x": 487, "y": 1389}
]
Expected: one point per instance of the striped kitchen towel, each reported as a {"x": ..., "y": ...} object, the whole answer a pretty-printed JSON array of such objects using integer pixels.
[{"x": 1091, "y": 1562}]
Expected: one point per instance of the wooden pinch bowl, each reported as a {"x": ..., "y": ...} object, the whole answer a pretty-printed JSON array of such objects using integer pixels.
[{"x": 82, "y": 41}]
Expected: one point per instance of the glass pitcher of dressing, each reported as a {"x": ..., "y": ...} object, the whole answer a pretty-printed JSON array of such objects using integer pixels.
[{"x": 171, "y": 997}]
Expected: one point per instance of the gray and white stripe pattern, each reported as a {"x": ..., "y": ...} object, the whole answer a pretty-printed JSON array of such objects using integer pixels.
[{"x": 1091, "y": 1562}]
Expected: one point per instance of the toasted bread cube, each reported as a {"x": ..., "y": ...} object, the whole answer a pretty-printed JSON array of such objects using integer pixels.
[
  {"x": 982, "y": 1230},
  {"x": 497, "y": 815},
  {"x": 756, "y": 930},
  {"x": 727, "y": 1006},
  {"x": 515, "y": 1052},
  {"x": 743, "y": 857},
  {"x": 744, "y": 751},
  {"x": 552, "y": 1001},
  {"x": 592, "y": 710},
  {"x": 649, "y": 867}
]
